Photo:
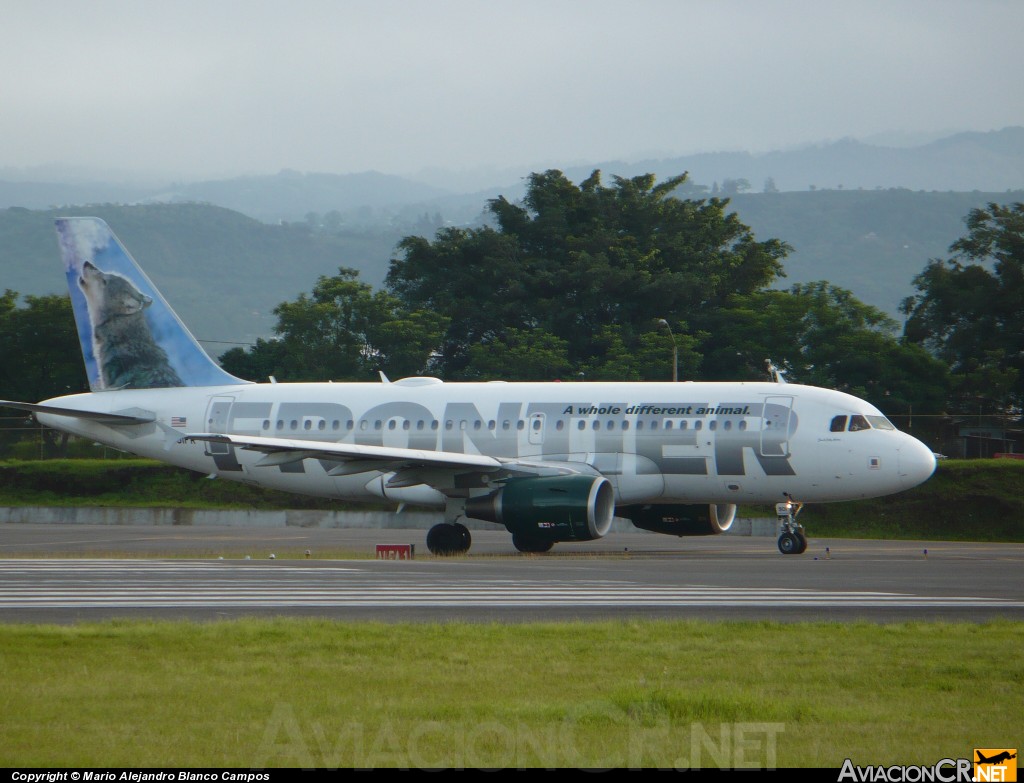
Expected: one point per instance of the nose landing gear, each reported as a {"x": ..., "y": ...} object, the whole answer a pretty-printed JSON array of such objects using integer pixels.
[{"x": 792, "y": 538}]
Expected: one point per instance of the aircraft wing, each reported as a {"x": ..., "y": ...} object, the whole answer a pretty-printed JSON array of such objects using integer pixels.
[
  {"x": 97, "y": 416},
  {"x": 354, "y": 458}
]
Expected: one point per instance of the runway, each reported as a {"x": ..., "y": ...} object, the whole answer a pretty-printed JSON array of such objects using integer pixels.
[{"x": 50, "y": 573}]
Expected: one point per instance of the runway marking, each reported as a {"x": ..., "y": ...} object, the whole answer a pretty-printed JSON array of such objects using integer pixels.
[{"x": 121, "y": 584}]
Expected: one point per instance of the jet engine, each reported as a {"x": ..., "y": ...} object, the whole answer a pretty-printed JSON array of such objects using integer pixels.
[
  {"x": 681, "y": 519},
  {"x": 539, "y": 511}
]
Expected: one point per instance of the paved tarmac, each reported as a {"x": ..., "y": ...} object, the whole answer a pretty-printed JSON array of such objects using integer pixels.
[{"x": 69, "y": 573}]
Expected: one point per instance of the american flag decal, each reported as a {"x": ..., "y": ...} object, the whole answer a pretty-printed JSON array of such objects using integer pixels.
[{"x": 178, "y": 421}]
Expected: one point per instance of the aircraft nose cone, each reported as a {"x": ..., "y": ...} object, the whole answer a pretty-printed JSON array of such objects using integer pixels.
[{"x": 916, "y": 462}]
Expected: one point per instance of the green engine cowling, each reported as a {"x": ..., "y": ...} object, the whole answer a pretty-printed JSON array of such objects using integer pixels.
[
  {"x": 681, "y": 519},
  {"x": 550, "y": 508}
]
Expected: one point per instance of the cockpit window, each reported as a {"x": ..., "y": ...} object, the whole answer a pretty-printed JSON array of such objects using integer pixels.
[
  {"x": 881, "y": 423},
  {"x": 858, "y": 423},
  {"x": 838, "y": 424}
]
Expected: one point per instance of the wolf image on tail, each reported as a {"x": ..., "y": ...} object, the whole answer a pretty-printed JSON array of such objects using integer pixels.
[
  {"x": 131, "y": 338},
  {"x": 127, "y": 355}
]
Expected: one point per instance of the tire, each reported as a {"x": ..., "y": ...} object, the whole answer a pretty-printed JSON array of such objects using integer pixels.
[
  {"x": 465, "y": 539},
  {"x": 803, "y": 543},
  {"x": 445, "y": 539},
  {"x": 789, "y": 544}
]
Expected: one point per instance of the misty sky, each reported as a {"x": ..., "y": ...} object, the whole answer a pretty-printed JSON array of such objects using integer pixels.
[{"x": 210, "y": 88}]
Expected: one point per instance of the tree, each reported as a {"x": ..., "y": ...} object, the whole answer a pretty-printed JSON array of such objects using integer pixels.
[
  {"x": 572, "y": 260},
  {"x": 343, "y": 330},
  {"x": 822, "y": 335},
  {"x": 40, "y": 354},
  {"x": 969, "y": 309},
  {"x": 649, "y": 358},
  {"x": 520, "y": 355},
  {"x": 730, "y": 187}
]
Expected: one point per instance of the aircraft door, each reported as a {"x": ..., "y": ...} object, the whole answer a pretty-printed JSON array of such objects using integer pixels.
[
  {"x": 217, "y": 422},
  {"x": 775, "y": 426},
  {"x": 536, "y": 429}
]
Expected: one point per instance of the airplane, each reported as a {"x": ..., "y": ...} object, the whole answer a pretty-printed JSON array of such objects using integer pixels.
[
  {"x": 996, "y": 759},
  {"x": 551, "y": 462}
]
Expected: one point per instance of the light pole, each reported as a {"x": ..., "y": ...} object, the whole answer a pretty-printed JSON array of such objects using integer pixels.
[{"x": 675, "y": 349}]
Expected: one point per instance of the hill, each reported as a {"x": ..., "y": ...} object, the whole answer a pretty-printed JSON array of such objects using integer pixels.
[
  {"x": 992, "y": 161},
  {"x": 872, "y": 242},
  {"x": 223, "y": 272}
]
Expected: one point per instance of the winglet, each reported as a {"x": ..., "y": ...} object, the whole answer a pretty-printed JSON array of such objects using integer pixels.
[{"x": 130, "y": 336}]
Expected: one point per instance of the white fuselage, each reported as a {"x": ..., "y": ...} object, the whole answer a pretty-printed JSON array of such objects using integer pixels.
[{"x": 655, "y": 442}]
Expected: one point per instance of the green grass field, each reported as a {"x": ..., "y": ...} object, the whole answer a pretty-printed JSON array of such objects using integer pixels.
[
  {"x": 321, "y": 694},
  {"x": 311, "y": 693}
]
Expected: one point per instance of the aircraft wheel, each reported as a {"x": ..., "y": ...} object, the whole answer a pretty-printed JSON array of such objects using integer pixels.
[
  {"x": 803, "y": 543},
  {"x": 789, "y": 544},
  {"x": 465, "y": 539},
  {"x": 524, "y": 544},
  {"x": 445, "y": 539}
]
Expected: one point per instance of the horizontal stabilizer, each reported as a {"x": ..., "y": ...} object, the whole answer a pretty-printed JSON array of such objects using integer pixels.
[{"x": 98, "y": 416}]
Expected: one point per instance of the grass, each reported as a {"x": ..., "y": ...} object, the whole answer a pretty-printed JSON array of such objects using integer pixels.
[
  {"x": 316, "y": 693},
  {"x": 134, "y": 483},
  {"x": 966, "y": 500}
]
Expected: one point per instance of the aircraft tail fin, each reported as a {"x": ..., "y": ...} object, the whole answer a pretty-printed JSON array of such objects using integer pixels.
[{"x": 130, "y": 336}]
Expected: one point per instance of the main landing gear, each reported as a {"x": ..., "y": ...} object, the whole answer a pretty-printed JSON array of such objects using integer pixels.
[
  {"x": 449, "y": 539},
  {"x": 792, "y": 538}
]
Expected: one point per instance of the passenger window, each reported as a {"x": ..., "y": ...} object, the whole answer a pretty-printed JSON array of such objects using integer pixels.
[
  {"x": 581, "y": 425},
  {"x": 838, "y": 424},
  {"x": 858, "y": 423},
  {"x": 559, "y": 425},
  {"x": 536, "y": 425}
]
